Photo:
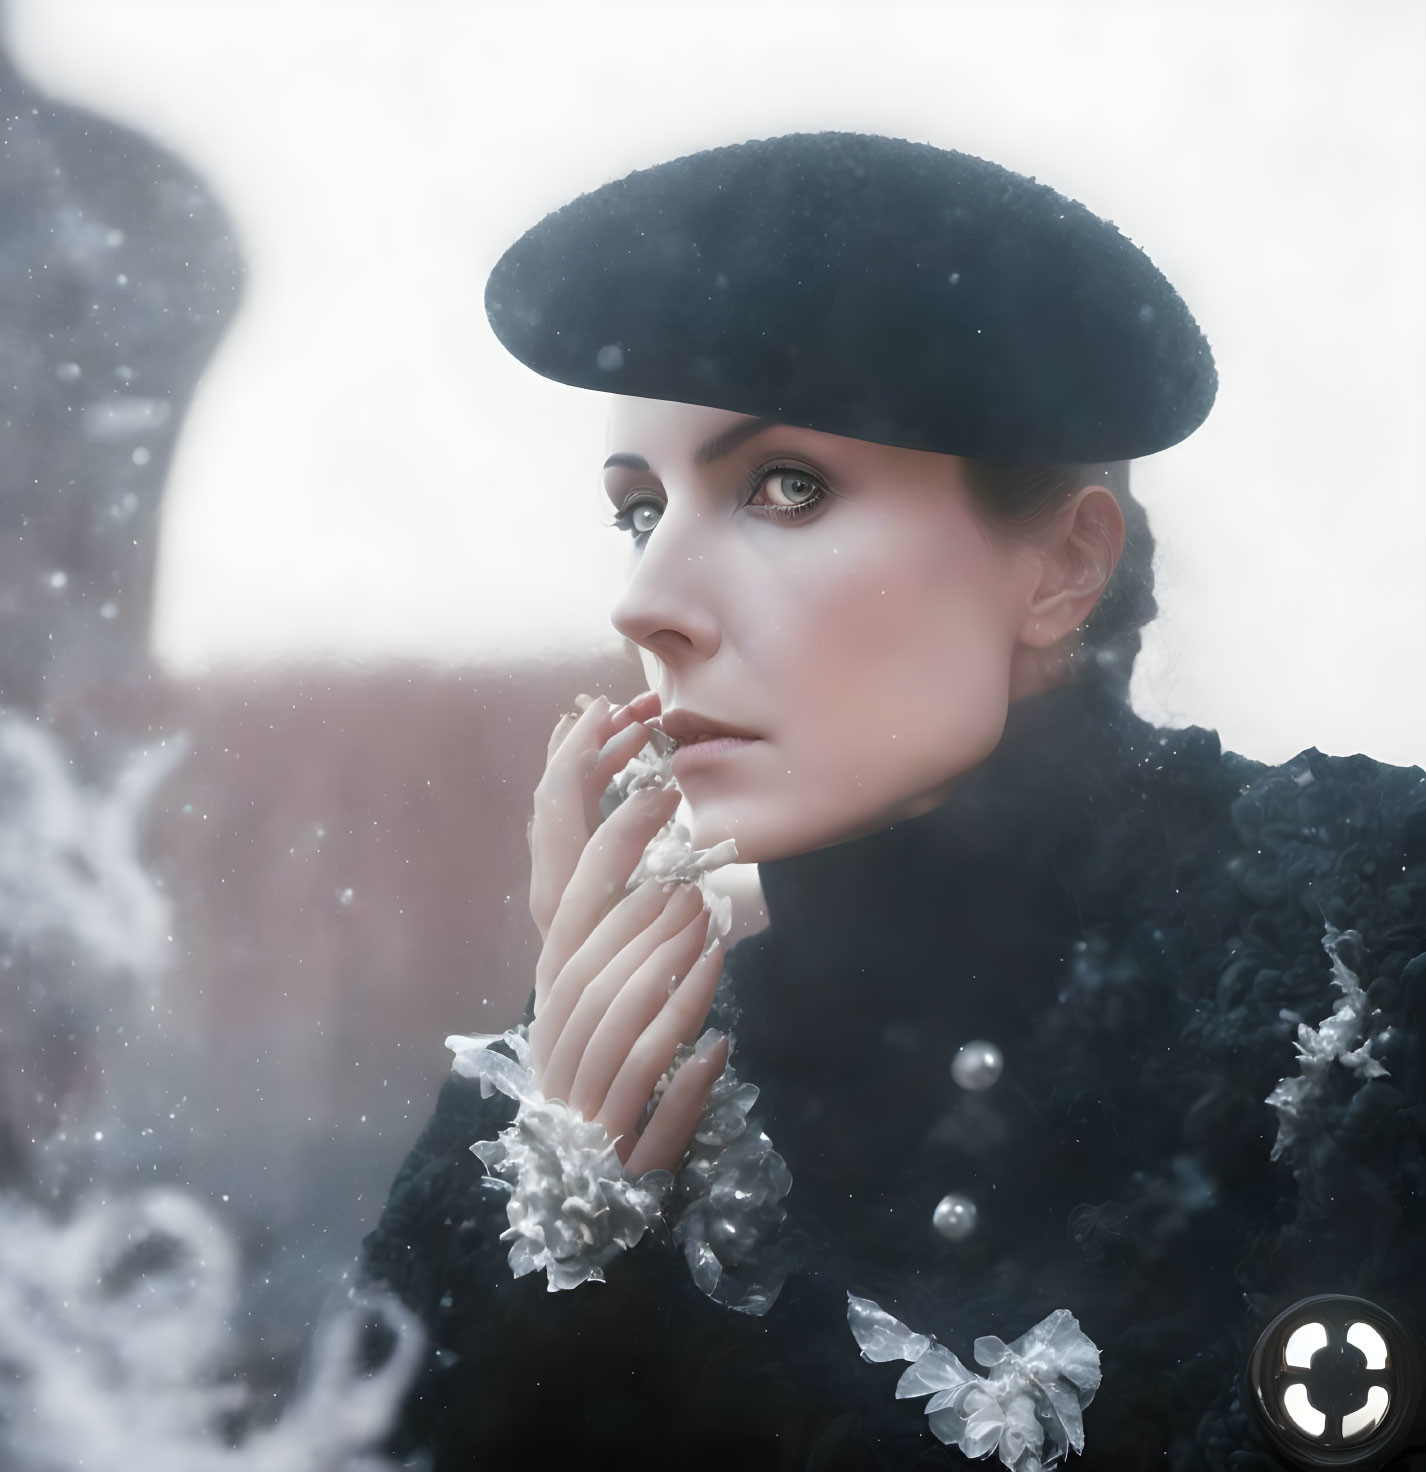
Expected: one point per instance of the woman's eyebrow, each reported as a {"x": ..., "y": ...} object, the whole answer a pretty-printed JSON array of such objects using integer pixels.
[
  {"x": 730, "y": 439},
  {"x": 720, "y": 445}
]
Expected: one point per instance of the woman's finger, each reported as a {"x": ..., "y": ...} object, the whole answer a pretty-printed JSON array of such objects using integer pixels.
[
  {"x": 566, "y": 807},
  {"x": 563, "y": 727},
  {"x": 557, "y": 1077},
  {"x": 585, "y": 750},
  {"x": 645, "y": 704},
  {"x": 558, "y": 831},
  {"x": 602, "y": 872},
  {"x": 669, "y": 1133},
  {"x": 555, "y": 999},
  {"x": 682, "y": 1017},
  {"x": 635, "y": 1006},
  {"x": 621, "y": 734}
]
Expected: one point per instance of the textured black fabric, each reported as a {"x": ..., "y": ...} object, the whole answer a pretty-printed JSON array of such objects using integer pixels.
[
  {"x": 1136, "y": 919},
  {"x": 863, "y": 286}
]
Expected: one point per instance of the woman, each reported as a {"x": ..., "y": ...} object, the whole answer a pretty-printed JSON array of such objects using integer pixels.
[{"x": 1035, "y": 1167}]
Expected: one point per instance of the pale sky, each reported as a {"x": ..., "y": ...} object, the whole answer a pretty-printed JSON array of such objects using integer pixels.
[{"x": 436, "y": 500}]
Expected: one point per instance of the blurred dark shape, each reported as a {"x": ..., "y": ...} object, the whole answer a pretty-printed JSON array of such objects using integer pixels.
[{"x": 118, "y": 274}]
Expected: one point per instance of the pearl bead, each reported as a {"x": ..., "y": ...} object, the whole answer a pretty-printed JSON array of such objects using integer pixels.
[
  {"x": 954, "y": 1217},
  {"x": 977, "y": 1065}
]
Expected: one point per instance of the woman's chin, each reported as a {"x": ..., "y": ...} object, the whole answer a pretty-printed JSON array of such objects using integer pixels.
[
  {"x": 706, "y": 829},
  {"x": 711, "y": 822},
  {"x": 759, "y": 835}
]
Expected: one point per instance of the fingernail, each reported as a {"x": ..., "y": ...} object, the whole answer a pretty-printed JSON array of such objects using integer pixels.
[{"x": 640, "y": 708}]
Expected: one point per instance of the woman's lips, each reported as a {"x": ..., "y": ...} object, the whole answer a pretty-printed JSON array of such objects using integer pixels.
[{"x": 710, "y": 749}]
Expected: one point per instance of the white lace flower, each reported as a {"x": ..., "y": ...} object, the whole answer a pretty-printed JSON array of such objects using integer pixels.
[
  {"x": 669, "y": 855},
  {"x": 1029, "y": 1408}
]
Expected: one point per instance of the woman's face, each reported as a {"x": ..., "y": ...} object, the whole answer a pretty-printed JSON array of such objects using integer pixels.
[{"x": 842, "y": 601}]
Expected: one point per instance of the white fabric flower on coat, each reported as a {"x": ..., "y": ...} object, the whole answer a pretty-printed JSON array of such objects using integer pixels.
[
  {"x": 1029, "y": 1407},
  {"x": 669, "y": 856},
  {"x": 1337, "y": 1039}
]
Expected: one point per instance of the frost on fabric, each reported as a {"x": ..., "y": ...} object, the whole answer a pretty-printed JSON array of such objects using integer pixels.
[
  {"x": 1337, "y": 1039},
  {"x": 1030, "y": 1405},
  {"x": 69, "y": 855},
  {"x": 114, "y": 1329},
  {"x": 572, "y": 1208}
]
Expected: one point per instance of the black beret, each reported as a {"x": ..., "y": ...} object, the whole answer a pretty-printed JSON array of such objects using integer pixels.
[{"x": 864, "y": 286}]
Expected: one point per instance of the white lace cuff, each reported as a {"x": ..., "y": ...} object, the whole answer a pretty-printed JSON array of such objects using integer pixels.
[
  {"x": 572, "y": 1208},
  {"x": 728, "y": 1198}
]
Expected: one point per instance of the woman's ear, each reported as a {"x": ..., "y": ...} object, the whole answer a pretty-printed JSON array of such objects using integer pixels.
[{"x": 1077, "y": 552}]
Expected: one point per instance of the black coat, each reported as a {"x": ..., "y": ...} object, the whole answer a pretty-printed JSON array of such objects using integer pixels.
[{"x": 1137, "y": 920}]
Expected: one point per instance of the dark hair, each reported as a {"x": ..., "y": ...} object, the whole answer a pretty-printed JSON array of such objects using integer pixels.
[{"x": 1018, "y": 494}]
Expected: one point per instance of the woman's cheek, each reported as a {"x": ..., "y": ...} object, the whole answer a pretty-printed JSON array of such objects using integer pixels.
[{"x": 851, "y": 623}]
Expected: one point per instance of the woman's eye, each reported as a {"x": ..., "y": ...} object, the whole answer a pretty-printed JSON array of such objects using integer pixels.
[
  {"x": 789, "y": 493},
  {"x": 638, "y": 518},
  {"x": 779, "y": 491},
  {"x": 790, "y": 488}
]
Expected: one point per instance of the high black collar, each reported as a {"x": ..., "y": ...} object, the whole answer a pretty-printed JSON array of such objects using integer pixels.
[
  {"x": 1082, "y": 854},
  {"x": 882, "y": 952}
]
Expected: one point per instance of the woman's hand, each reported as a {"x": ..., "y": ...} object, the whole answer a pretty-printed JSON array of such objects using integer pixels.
[{"x": 620, "y": 982}]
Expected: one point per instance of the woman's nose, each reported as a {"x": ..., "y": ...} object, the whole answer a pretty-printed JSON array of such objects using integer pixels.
[{"x": 664, "y": 607}]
